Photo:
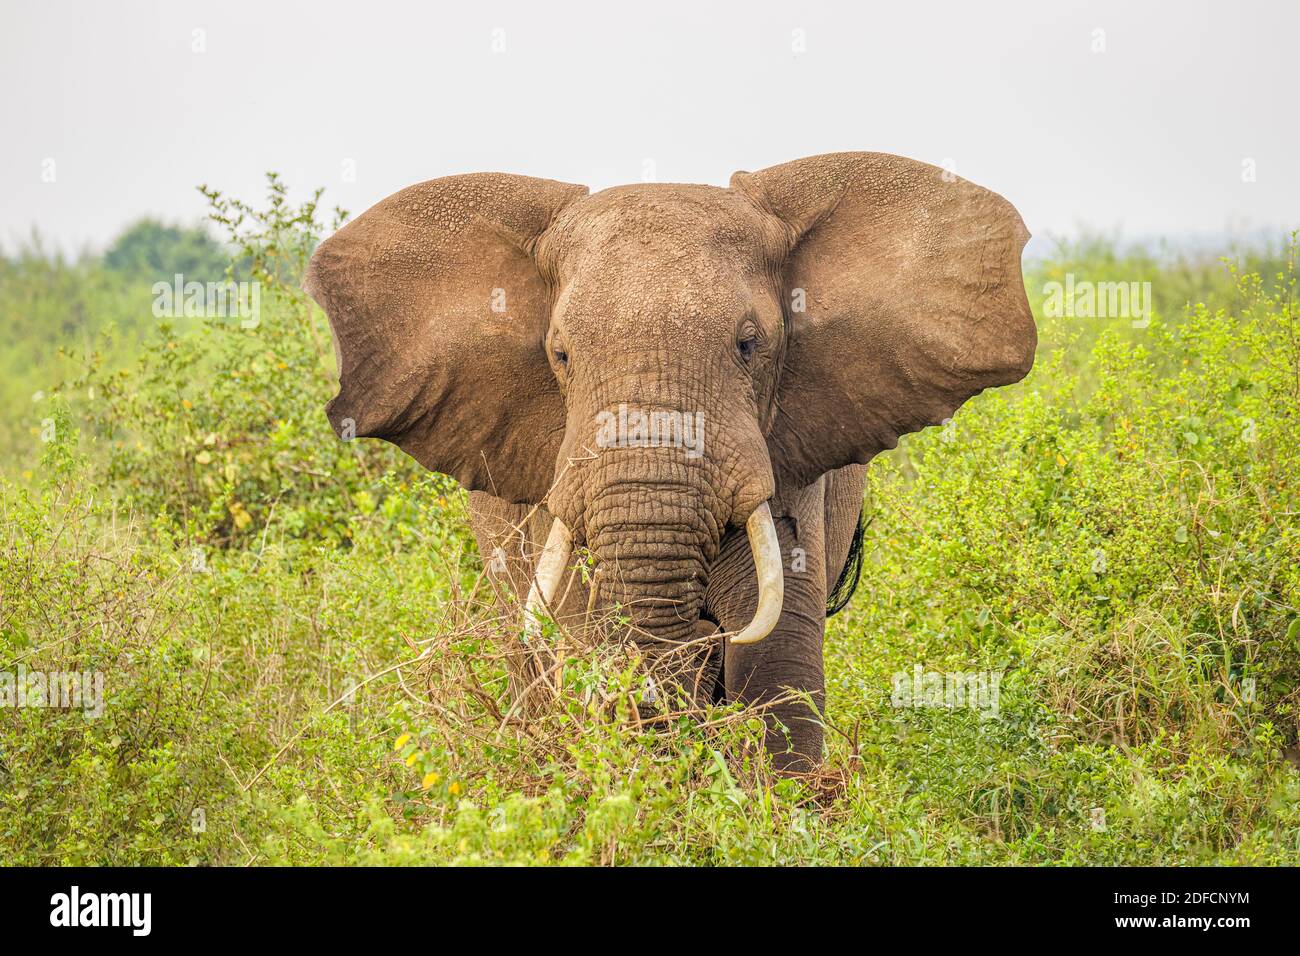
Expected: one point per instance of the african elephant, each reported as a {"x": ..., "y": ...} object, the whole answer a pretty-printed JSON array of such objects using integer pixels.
[{"x": 688, "y": 380}]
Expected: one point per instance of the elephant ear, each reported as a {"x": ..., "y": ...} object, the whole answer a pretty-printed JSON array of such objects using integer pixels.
[
  {"x": 903, "y": 298},
  {"x": 439, "y": 315}
]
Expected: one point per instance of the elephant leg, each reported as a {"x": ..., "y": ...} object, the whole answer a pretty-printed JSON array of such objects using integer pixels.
[
  {"x": 784, "y": 670},
  {"x": 510, "y": 539}
]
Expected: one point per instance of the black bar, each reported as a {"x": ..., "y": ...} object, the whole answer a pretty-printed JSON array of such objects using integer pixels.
[{"x": 396, "y": 904}]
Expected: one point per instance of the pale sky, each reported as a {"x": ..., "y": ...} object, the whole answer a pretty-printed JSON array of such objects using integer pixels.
[{"x": 1142, "y": 119}]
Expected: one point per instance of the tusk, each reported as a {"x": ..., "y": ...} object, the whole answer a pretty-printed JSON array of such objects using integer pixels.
[
  {"x": 771, "y": 581},
  {"x": 550, "y": 569}
]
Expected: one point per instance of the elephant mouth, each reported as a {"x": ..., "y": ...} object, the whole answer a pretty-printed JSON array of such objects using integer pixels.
[{"x": 763, "y": 542}]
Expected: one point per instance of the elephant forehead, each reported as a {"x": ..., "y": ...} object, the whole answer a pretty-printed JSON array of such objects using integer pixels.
[
  {"x": 624, "y": 294},
  {"x": 657, "y": 227}
]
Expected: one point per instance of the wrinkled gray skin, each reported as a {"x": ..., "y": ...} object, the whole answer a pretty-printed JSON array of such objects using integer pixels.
[{"x": 811, "y": 313}]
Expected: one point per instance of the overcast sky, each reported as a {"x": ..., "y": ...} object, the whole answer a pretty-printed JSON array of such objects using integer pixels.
[{"x": 1147, "y": 119}]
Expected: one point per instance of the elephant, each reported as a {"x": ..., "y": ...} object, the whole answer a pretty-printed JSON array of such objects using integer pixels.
[{"x": 686, "y": 381}]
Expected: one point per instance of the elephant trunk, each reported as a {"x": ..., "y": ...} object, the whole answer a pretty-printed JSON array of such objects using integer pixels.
[
  {"x": 652, "y": 548},
  {"x": 652, "y": 492},
  {"x": 653, "y": 555}
]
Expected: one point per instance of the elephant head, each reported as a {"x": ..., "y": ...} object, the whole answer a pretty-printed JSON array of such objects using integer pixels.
[{"x": 658, "y": 363}]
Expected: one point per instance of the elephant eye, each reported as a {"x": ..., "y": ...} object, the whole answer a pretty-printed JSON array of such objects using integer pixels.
[
  {"x": 561, "y": 356},
  {"x": 747, "y": 342}
]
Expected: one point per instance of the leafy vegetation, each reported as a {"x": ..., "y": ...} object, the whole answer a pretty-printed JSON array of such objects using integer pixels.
[{"x": 302, "y": 664}]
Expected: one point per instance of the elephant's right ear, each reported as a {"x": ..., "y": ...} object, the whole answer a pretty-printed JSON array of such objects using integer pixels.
[{"x": 439, "y": 315}]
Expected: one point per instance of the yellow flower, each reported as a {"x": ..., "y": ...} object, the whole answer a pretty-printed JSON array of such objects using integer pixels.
[
  {"x": 454, "y": 788},
  {"x": 237, "y": 511},
  {"x": 410, "y": 761},
  {"x": 430, "y": 779},
  {"x": 400, "y": 742},
  {"x": 1060, "y": 459}
]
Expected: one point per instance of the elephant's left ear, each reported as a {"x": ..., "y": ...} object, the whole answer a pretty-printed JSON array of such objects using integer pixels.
[{"x": 903, "y": 295}]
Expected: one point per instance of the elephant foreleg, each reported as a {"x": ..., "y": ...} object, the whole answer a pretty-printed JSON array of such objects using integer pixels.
[
  {"x": 510, "y": 538},
  {"x": 783, "y": 671}
]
